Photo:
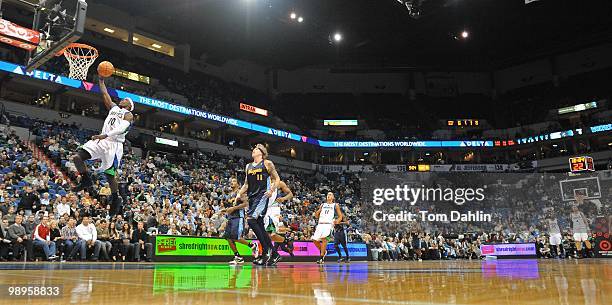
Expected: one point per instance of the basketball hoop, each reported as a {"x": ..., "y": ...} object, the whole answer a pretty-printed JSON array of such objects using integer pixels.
[{"x": 80, "y": 57}]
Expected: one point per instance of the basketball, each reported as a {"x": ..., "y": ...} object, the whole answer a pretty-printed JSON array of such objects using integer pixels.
[{"x": 106, "y": 69}]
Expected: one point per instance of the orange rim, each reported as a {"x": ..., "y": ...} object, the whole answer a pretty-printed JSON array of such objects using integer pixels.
[{"x": 73, "y": 45}]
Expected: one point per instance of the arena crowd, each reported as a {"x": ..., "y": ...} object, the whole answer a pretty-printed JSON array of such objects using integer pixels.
[{"x": 42, "y": 218}]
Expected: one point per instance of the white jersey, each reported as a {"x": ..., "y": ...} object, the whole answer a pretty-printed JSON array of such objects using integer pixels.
[
  {"x": 111, "y": 123},
  {"x": 328, "y": 211},
  {"x": 578, "y": 222},
  {"x": 553, "y": 227}
]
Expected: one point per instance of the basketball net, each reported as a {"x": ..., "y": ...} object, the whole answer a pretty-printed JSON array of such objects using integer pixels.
[{"x": 80, "y": 57}]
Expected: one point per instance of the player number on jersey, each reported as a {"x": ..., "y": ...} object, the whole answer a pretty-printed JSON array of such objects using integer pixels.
[
  {"x": 259, "y": 177},
  {"x": 112, "y": 121}
]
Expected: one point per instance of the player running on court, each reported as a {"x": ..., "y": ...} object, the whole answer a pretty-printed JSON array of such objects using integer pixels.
[
  {"x": 340, "y": 239},
  {"x": 107, "y": 146},
  {"x": 234, "y": 228},
  {"x": 260, "y": 182},
  {"x": 272, "y": 220},
  {"x": 326, "y": 213}
]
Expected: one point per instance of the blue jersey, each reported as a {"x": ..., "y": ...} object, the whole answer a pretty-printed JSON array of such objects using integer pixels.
[{"x": 258, "y": 180}]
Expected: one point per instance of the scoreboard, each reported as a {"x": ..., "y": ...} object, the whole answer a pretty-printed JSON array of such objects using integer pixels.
[
  {"x": 412, "y": 167},
  {"x": 581, "y": 164}
]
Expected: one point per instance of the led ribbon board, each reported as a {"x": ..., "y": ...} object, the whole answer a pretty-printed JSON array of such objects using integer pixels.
[{"x": 151, "y": 102}]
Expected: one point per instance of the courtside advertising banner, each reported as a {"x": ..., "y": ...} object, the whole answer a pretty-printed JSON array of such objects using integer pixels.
[
  {"x": 192, "y": 246},
  {"x": 516, "y": 209},
  {"x": 528, "y": 249},
  {"x": 308, "y": 249},
  {"x": 196, "y": 246}
]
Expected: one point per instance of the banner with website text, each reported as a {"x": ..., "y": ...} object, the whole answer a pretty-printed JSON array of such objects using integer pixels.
[{"x": 508, "y": 207}]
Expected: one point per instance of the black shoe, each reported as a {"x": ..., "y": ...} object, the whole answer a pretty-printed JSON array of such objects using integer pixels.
[
  {"x": 275, "y": 258},
  {"x": 259, "y": 261},
  {"x": 347, "y": 261},
  {"x": 340, "y": 260}
]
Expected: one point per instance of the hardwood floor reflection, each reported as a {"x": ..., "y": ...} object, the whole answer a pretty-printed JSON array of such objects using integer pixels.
[{"x": 440, "y": 282}]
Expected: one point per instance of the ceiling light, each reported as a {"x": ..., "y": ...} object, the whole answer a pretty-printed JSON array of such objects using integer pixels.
[
  {"x": 301, "y": 19},
  {"x": 465, "y": 34},
  {"x": 156, "y": 46},
  {"x": 135, "y": 38},
  {"x": 109, "y": 30},
  {"x": 337, "y": 37},
  {"x": 293, "y": 15}
]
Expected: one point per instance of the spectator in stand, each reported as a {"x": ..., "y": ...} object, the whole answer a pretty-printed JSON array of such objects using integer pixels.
[
  {"x": 29, "y": 201},
  {"x": 174, "y": 231},
  {"x": 63, "y": 207},
  {"x": 45, "y": 200},
  {"x": 10, "y": 216},
  {"x": 139, "y": 242},
  {"x": 30, "y": 225},
  {"x": 56, "y": 236},
  {"x": 126, "y": 236},
  {"x": 163, "y": 228},
  {"x": 105, "y": 193},
  {"x": 5, "y": 242},
  {"x": 42, "y": 238},
  {"x": 19, "y": 239},
  {"x": 42, "y": 212},
  {"x": 104, "y": 238},
  {"x": 89, "y": 239},
  {"x": 71, "y": 239},
  {"x": 117, "y": 247}
]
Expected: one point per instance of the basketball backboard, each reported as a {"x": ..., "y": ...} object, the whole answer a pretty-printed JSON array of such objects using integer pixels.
[
  {"x": 55, "y": 25},
  {"x": 60, "y": 22}
]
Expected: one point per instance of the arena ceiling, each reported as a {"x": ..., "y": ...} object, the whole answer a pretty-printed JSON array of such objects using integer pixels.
[{"x": 378, "y": 33}]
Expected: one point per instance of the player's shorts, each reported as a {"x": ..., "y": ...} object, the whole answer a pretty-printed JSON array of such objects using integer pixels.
[
  {"x": 555, "y": 239},
  {"x": 272, "y": 219},
  {"x": 258, "y": 206},
  {"x": 322, "y": 231},
  {"x": 234, "y": 228},
  {"x": 581, "y": 236},
  {"x": 109, "y": 152},
  {"x": 339, "y": 234}
]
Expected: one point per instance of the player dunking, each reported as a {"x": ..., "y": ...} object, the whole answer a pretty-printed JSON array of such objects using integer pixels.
[
  {"x": 260, "y": 182},
  {"x": 326, "y": 213},
  {"x": 235, "y": 223},
  {"x": 107, "y": 146}
]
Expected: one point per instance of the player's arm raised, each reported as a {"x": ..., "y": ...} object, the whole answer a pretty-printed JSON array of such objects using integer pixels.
[
  {"x": 108, "y": 102},
  {"x": 273, "y": 175},
  {"x": 289, "y": 195}
]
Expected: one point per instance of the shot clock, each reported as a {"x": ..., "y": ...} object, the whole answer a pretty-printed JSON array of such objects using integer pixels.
[{"x": 581, "y": 164}]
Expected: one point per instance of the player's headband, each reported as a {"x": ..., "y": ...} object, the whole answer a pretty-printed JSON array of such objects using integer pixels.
[
  {"x": 131, "y": 103},
  {"x": 262, "y": 149}
]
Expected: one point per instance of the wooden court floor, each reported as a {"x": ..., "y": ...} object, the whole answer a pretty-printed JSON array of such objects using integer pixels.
[{"x": 587, "y": 282}]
